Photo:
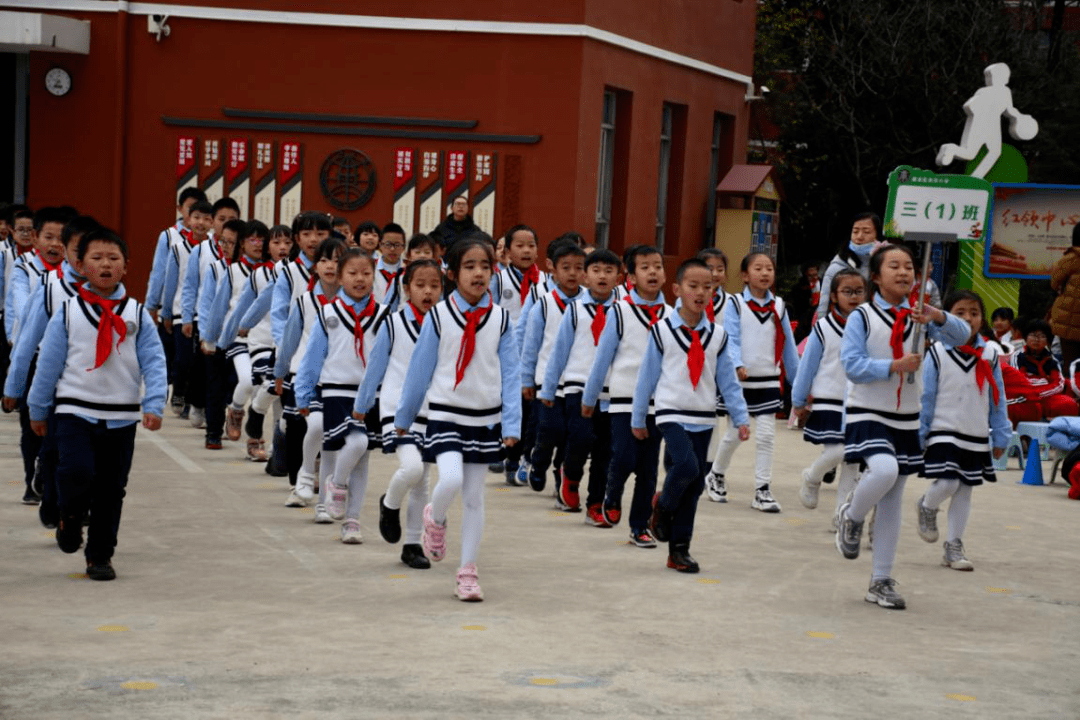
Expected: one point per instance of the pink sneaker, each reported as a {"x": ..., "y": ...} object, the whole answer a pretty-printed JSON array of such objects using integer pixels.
[
  {"x": 468, "y": 590},
  {"x": 434, "y": 538},
  {"x": 336, "y": 500}
]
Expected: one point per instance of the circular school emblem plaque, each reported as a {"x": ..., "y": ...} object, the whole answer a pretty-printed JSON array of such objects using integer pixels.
[
  {"x": 508, "y": 293},
  {"x": 347, "y": 179},
  {"x": 130, "y": 328},
  {"x": 331, "y": 322}
]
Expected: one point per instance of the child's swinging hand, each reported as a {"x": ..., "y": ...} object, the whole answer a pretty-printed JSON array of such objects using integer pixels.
[{"x": 151, "y": 422}]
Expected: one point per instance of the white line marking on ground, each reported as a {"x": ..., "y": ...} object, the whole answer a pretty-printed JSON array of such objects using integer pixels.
[{"x": 169, "y": 449}]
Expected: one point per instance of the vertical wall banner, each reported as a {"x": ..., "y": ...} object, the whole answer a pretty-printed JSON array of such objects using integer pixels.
[
  {"x": 292, "y": 181},
  {"x": 238, "y": 175},
  {"x": 212, "y": 175},
  {"x": 405, "y": 189},
  {"x": 483, "y": 191},
  {"x": 263, "y": 180},
  {"x": 431, "y": 210},
  {"x": 456, "y": 183},
  {"x": 187, "y": 173}
]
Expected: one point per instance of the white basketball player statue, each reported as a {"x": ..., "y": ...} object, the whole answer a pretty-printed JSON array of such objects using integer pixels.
[{"x": 984, "y": 110}]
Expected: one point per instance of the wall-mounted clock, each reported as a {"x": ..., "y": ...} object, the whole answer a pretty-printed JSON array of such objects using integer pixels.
[{"x": 58, "y": 81}]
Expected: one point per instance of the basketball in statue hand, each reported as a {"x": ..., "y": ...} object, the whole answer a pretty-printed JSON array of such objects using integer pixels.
[{"x": 1024, "y": 127}]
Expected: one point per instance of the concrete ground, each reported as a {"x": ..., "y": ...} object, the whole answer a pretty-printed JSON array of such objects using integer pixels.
[{"x": 229, "y": 605}]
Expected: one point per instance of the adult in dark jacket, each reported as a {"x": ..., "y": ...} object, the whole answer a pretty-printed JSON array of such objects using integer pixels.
[{"x": 458, "y": 224}]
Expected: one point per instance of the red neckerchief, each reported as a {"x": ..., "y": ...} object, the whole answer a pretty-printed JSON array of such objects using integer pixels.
[
  {"x": 840, "y": 319},
  {"x": 358, "y": 331},
  {"x": 778, "y": 349},
  {"x": 598, "y": 322},
  {"x": 709, "y": 311},
  {"x": 22, "y": 249},
  {"x": 982, "y": 369},
  {"x": 416, "y": 313},
  {"x": 695, "y": 356},
  {"x": 468, "y": 339},
  {"x": 390, "y": 277},
  {"x": 559, "y": 302},
  {"x": 108, "y": 323},
  {"x": 252, "y": 265},
  {"x": 187, "y": 236},
  {"x": 529, "y": 278},
  {"x": 896, "y": 341},
  {"x": 653, "y": 310},
  {"x": 49, "y": 267}
]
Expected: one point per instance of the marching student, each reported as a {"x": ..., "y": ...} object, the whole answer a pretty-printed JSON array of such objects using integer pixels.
[
  {"x": 422, "y": 247},
  {"x": 388, "y": 269},
  {"x": 686, "y": 362},
  {"x": 367, "y": 238},
  {"x": 310, "y": 230},
  {"x": 817, "y": 396},
  {"x": 568, "y": 366},
  {"x": 335, "y": 360},
  {"x": 963, "y": 417},
  {"x": 716, "y": 260},
  {"x": 57, "y": 287},
  {"x": 387, "y": 366},
  {"x": 612, "y": 381},
  {"x": 881, "y": 411},
  {"x": 758, "y": 327},
  {"x": 542, "y": 327},
  {"x": 99, "y": 348},
  {"x": 303, "y": 434},
  {"x": 465, "y": 365}
]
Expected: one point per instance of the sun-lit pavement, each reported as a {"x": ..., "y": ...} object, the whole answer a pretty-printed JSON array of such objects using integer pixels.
[{"x": 229, "y": 605}]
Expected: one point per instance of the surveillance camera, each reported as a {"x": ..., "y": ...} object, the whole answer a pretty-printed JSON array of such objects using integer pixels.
[
  {"x": 765, "y": 90},
  {"x": 159, "y": 19}
]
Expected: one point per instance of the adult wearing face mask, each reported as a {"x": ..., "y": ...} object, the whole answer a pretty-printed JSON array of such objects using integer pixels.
[{"x": 855, "y": 254}]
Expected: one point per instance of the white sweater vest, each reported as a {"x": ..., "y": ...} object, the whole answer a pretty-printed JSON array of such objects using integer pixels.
[
  {"x": 583, "y": 351},
  {"x": 962, "y": 411},
  {"x": 632, "y": 324},
  {"x": 876, "y": 401},
  {"x": 830, "y": 382},
  {"x": 344, "y": 369},
  {"x": 404, "y": 333},
  {"x": 676, "y": 398}
]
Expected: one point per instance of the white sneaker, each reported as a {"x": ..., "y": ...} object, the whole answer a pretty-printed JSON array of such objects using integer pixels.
[
  {"x": 294, "y": 500},
  {"x": 305, "y": 486},
  {"x": 764, "y": 501},
  {"x": 715, "y": 487},
  {"x": 197, "y": 417},
  {"x": 336, "y": 498},
  {"x": 350, "y": 532},
  {"x": 808, "y": 493},
  {"x": 321, "y": 516}
]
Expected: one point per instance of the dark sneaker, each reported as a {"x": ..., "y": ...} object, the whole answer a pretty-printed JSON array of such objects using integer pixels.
[
  {"x": 523, "y": 472},
  {"x": 568, "y": 495},
  {"x": 100, "y": 571},
  {"x": 849, "y": 533},
  {"x": 537, "y": 481},
  {"x": 413, "y": 556},
  {"x": 49, "y": 514},
  {"x": 213, "y": 443},
  {"x": 660, "y": 521},
  {"x": 178, "y": 405},
  {"x": 883, "y": 592},
  {"x": 829, "y": 477},
  {"x": 30, "y": 497},
  {"x": 679, "y": 559},
  {"x": 497, "y": 468},
  {"x": 389, "y": 522},
  {"x": 643, "y": 538},
  {"x": 69, "y": 533},
  {"x": 612, "y": 513},
  {"x": 512, "y": 479}
]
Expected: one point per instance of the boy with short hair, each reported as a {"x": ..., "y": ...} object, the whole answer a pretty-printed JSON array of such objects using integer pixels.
[
  {"x": 19, "y": 221},
  {"x": 30, "y": 268},
  {"x": 686, "y": 362},
  {"x": 389, "y": 267},
  {"x": 92, "y": 384},
  {"x": 155, "y": 286},
  {"x": 568, "y": 368},
  {"x": 541, "y": 329},
  {"x": 421, "y": 247},
  {"x": 341, "y": 226},
  {"x": 618, "y": 359}
]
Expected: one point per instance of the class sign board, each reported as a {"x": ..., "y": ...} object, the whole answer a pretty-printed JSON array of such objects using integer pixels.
[
  {"x": 1031, "y": 226},
  {"x": 924, "y": 201}
]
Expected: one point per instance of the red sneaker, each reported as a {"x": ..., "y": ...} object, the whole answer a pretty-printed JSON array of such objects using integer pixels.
[
  {"x": 568, "y": 495},
  {"x": 612, "y": 514},
  {"x": 594, "y": 516}
]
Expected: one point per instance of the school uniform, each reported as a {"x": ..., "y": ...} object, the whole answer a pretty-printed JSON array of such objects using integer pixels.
[
  {"x": 682, "y": 370},
  {"x": 963, "y": 412},
  {"x": 28, "y": 273},
  {"x": 219, "y": 372},
  {"x": 761, "y": 335},
  {"x": 543, "y": 430},
  {"x": 336, "y": 359},
  {"x": 387, "y": 285},
  {"x": 568, "y": 366},
  {"x": 294, "y": 278},
  {"x": 178, "y": 305},
  {"x": 9, "y": 253},
  {"x": 511, "y": 288},
  {"x": 471, "y": 414},
  {"x": 259, "y": 340},
  {"x": 821, "y": 377},
  {"x": 155, "y": 285},
  {"x": 618, "y": 359},
  {"x": 97, "y": 405}
]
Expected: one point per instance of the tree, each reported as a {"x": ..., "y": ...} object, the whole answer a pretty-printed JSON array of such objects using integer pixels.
[{"x": 861, "y": 86}]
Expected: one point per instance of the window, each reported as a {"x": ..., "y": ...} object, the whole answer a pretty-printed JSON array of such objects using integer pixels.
[
  {"x": 607, "y": 171},
  {"x": 663, "y": 177},
  {"x": 719, "y": 161}
]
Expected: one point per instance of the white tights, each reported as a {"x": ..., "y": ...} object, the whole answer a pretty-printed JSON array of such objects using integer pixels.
[
  {"x": 830, "y": 457},
  {"x": 765, "y": 437},
  {"x": 456, "y": 476},
  {"x": 882, "y": 485},
  {"x": 959, "y": 506},
  {"x": 244, "y": 386},
  {"x": 412, "y": 478},
  {"x": 350, "y": 464},
  {"x": 313, "y": 443}
]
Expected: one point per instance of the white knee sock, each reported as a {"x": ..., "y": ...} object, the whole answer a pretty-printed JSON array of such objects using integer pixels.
[
  {"x": 938, "y": 492},
  {"x": 326, "y": 473},
  {"x": 472, "y": 514},
  {"x": 845, "y": 483},
  {"x": 959, "y": 510},
  {"x": 451, "y": 478},
  {"x": 242, "y": 393},
  {"x": 414, "y": 516},
  {"x": 313, "y": 443},
  {"x": 830, "y": 457},
  {"x": 358, "y": 480},
  {"x": 410, "y": 471}
]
